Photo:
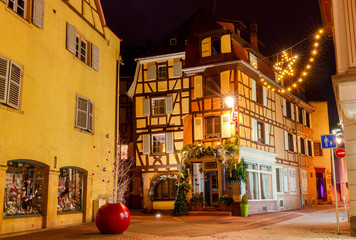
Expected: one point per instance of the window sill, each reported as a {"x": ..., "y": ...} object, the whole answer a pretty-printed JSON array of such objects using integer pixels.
[
  {"x": 158, "y": 154},
  {"x": 22, "y": 216},
  {"x": 11, "y": 109},
  {"x": 24, "y": 20},
  {"x": 84, "y": 131},
  {"x": 69, "y": 212}
]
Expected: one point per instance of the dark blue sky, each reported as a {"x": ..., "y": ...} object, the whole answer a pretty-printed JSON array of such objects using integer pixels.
[{"x": 281, "y": 24}]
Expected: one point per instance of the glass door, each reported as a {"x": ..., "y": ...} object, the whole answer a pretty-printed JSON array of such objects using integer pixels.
[{"x": 211, "y": 188}]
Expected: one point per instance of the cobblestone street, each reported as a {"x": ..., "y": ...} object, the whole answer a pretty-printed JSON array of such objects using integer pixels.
[{"x": 310, "y": 223}]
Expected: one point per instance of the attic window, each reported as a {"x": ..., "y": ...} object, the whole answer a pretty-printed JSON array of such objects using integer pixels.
[{"x": 173, "y": 41}]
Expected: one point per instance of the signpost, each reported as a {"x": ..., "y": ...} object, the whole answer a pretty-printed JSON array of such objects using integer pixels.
[
  {"x": 329, "y": 142},
  {"x": 341, "y": 153}
]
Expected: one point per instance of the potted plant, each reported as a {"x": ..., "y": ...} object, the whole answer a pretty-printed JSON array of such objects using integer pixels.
[
  {"x": 237, "y": 170},
  {"x": 225, "y": 203},
  {"x": 197, "y": 202},
  {"x": 244, "y": 206}
]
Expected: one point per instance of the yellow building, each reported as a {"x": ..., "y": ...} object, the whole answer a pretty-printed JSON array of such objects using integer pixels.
[
  {"x": 58, "y": 81},
  {"x": 274, "y": 126}
]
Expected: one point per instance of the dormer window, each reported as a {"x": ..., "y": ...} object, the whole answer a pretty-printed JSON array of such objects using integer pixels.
[
  {"x": 253, "y": 60},
  {"x": 216, "y": 45},
  {"x": 173, "y": 41}
]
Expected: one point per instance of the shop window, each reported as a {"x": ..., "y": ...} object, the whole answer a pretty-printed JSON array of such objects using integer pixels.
[
  {"x": 266, "y": 181},
  {"x": 70, "y": 190},
  {"x": 162, "y": 72},
  {"x": 158, "y": 143},
  {"x": 24, "y": 188},
  {"x": 166, "y": 190},
  {"x": 158, "y": 106},
  {"x": 212, "y": 128},
  {"x": 252, "y": 187}
]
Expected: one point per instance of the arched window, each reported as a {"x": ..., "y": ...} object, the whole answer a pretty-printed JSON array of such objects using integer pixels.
[
  {"x": 24, "y": 188},
  {"x": 166, "y": 190},
  {"x": 70, "y": 190}
]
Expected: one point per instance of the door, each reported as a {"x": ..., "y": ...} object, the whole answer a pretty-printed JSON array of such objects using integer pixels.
[{"x": 211, "y": 188}]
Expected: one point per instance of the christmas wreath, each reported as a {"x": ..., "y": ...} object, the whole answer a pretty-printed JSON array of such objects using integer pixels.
[{"x": 157, "y": 180}]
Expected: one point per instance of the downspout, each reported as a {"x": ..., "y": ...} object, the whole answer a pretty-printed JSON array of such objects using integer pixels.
[{"x": 117, "y": 134}]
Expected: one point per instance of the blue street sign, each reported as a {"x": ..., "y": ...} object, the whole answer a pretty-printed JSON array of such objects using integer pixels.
[{"x": 328, "y": 141}]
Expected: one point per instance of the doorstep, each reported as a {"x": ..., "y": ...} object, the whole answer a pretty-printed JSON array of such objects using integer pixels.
[{"x": 208, "y": 213}]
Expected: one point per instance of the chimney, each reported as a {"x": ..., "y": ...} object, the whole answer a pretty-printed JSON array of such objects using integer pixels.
[{"x": 253, "y": 36}]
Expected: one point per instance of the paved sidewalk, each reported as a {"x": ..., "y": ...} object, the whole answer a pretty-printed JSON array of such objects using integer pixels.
[{"x": 310, "y": 223}]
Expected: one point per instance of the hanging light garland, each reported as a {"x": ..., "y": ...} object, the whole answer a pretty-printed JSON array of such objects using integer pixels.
[{"x": 284, "y": 67}]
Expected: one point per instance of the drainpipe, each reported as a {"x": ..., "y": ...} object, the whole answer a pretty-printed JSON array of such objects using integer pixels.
[{"x": 117, "y": 134}]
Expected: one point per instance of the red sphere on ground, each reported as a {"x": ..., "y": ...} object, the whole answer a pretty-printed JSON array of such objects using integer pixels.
[{"x": 112, "y": 218}]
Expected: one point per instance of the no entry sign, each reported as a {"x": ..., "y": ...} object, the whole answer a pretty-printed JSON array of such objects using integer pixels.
[{"x": 340, "y": 153}]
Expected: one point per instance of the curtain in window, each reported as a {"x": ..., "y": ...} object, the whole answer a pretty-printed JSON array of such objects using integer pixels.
[{"x": 266, "y": 186}]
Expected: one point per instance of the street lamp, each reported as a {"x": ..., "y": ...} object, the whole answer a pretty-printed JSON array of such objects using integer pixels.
[{"x": 230, "y": 101}]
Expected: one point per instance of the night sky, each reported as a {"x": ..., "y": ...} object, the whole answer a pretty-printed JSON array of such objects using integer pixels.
[{"x": 281, "y": 24}]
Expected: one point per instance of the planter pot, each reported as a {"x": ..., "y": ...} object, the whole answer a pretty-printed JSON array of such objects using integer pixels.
[
  {"x": 244, "y": 210},
  {"x": 112, "y": 218}
]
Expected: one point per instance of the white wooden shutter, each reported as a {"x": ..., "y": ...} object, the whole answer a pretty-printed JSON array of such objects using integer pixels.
[
  {"x": 225, "y": 82},
  {"x": 266, "y": 134},
  {"x": 169, "y": 142},
  {"x": 14, "y": 85},
  {"x": 304, "y": 118},
  {"x": 38, "y": 12},
  {"x": 284, "y": 107},
  {"x": 292, "y": 181},
  {"x": 292, "y": 110},
  {"x": 71, "y": 35},
  {"x": 198, "y": 128},
  {"x": 146, "y": 107},
  {"x": 300, "y": 150},
  {"x": 294, "y": 143},
  {"x": 151, "y": 72},
  {"x": 264, "y": 96},
  {"x": 177, "y": 69},
  {"x": 254, "y": 130},
  {"x": 297, "y": 114},
  {"x": 310, "y": 122},
  {"x": 95, "y": 57},
  {"x": 82, "y": 113},
  {"x": 146, "y": 146},
  {"x": 198, "y": 88},
  {"x": 90, "y": 116},
  {"x": 285, "y": 180},
  {"x": 312, "y": 148},
  {"x": 254, "y": 90},
  {"x": 304, "y": 181},
  {"x": 286, "y": 146},
  {"x": 4, "y": 75},
  {"x": 225, "y": 123},
  {"x": 169, "y": 105}
]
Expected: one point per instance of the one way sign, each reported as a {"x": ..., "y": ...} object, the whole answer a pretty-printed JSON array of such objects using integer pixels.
[{"x": 328, "y": 141}]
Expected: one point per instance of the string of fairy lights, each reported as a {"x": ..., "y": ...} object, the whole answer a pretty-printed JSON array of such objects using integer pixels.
[{"x": 284, "y": 67}]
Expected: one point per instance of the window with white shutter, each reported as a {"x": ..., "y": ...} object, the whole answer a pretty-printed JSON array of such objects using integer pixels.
[
  {"x": 286, "y": 142},
  {"x": 146, "y": 144},
  {"x": 264, "y": 96},
  {"x": 254, "y": 93},
  {"x": 177, "y": 69},
  {"x": 254, "y": 130},
  {"x": 266, "y": 134},
  {"x": 10, "y": 82},
  {"x": 285, "y": 180},
  {"x": 169, "y": 105},
  {"x": 225, "y": 122},
  {"x": 198, "y": 128},
  {"x": 19, "y": 6},
  {"x": 4, "y": 73},
  {"x": 151, "y": 72},
  {"x": 71, "y": 38},
  {"x": 95, "y": 57},
  {"x": 146, "y": 107},
  {"x": 84, "y": 114},
  {"x": 170, "y": 142},
  {"x": 38, "y": 12}
]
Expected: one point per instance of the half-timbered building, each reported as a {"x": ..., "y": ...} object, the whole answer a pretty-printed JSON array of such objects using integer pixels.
[{"x": 175, "y": 108}]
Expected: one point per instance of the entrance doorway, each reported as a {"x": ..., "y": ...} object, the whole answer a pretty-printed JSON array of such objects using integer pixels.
[
  {"x": 321, "y": 184},
  {"x": 211, "y": 188}
]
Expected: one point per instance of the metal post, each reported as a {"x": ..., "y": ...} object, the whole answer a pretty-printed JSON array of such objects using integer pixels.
[
  {"x": 345, "y": 192},
  {"x": 336, "y": 202}
]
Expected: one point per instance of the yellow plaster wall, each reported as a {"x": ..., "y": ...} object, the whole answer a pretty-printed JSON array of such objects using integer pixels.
[{"x": 52, "y": 77}]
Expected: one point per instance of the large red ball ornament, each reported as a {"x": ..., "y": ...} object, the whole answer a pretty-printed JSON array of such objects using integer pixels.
[{"x": 112, "y": 218}]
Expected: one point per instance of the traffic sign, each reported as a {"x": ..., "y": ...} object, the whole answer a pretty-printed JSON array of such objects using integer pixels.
[
  {"x": 328, "y": 141},
  {"x": 340, "y": 153}
]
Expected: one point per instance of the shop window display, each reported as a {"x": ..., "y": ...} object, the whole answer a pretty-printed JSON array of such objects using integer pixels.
[
  {"x": 70, "y": 190},
  {"x": 24, "y": 186}
]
